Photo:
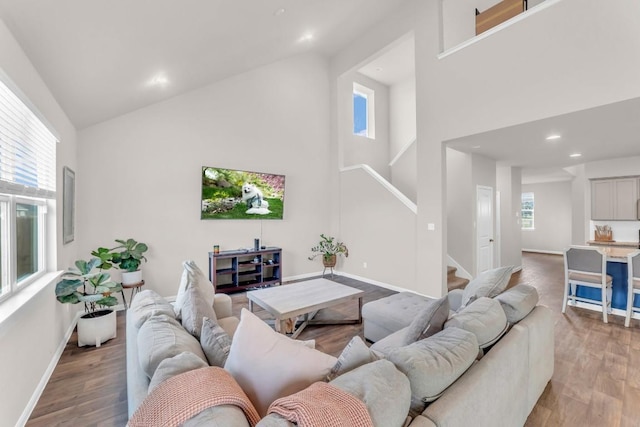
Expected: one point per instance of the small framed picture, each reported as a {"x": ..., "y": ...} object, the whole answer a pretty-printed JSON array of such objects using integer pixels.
[{"x": 68, "y": 204}]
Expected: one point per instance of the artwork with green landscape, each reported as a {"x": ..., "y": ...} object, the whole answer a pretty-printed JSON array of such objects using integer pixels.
[{"x": 237, "y": 194}]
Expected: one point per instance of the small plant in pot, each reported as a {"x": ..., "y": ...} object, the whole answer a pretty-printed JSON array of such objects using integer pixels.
[
  {"x": 128, "y": 256},
  {"x": 89, "y": 285},
  {"x": 329, "y": 248}
]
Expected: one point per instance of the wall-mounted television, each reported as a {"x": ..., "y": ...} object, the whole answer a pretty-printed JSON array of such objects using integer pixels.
[{"x": 238, "y": 194}]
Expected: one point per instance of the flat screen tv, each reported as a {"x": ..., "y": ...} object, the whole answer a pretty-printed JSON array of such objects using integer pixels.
[{"x": 238, "y": 194}]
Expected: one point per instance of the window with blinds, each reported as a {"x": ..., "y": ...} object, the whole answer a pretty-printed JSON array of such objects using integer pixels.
[
  {"x": 27, "y": 150},
  {"x": 27, "y": 188}
]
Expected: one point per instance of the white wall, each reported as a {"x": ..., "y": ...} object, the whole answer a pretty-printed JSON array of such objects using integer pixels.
[
  {"x": 359, "y": 149},
  {"x": 35, "y": 325},
  {"x": 140, "y": 173},
  {"x": 402, "y": 114},
  {"x": 404, "y": 172},
  {"x": 460, "y": 207},
  {"x": 403, "y": 150},
  {"x": 552, "y": 217},
  {"x": 379, "y": 230},
  {"x": 508, "y": 183}
]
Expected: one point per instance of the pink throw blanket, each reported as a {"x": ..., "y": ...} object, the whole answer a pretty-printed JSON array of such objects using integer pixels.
[
  {"x": 322, "y": 405},
  {"x": 186, "y": 395}
]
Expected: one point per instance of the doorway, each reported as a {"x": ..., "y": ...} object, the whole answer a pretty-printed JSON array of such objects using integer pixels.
[{"x": 484, "y": 229}]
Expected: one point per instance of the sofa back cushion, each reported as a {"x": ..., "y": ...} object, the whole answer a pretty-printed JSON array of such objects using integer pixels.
[
  {"x": 148, "y": 303},
  {"x": 176, "y": 365},
  {"x": 518, "y": 302},
  {"x": 484, "y": 318},
  {"x": 433, "y": 364},
  {"x": 162, "y": 337}
]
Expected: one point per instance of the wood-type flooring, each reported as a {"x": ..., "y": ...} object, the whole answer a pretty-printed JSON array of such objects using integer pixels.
[{"x": 596, "y": 381}]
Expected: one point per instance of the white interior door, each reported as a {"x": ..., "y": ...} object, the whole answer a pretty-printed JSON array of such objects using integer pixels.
[{"x": 484, "y": 229}]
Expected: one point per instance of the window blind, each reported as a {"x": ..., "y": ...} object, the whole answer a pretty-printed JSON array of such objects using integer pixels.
[{"x": 27, "y": 150}]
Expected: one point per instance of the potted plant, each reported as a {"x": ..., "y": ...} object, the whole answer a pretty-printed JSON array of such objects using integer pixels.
[
  {"x": 329, "y": 248},
  {"x": 93, "y": 287},
  {"x": 127, "y": 256}
]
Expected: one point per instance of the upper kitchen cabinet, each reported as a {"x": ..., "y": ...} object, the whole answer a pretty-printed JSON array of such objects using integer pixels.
[{"x": 614, "y": 199}]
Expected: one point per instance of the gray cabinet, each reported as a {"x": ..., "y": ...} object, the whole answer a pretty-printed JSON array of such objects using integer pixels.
[{"x": 614, "y": 199}]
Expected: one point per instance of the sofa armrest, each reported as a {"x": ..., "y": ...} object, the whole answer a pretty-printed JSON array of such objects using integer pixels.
[
  {"x": 455, "y": 299},
  {"x": 222, "y": 305}
]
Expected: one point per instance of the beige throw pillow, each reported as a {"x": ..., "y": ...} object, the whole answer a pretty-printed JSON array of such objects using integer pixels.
[
  {"x": 193, "y": 276},
  {"x": 194, "y": 309},
  {"x": 268, "y": 365}
]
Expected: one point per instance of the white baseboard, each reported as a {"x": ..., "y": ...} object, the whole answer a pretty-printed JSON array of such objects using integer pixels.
[
  {"x": 47, "y": 374},
  {"x": 542, "y": 251}
]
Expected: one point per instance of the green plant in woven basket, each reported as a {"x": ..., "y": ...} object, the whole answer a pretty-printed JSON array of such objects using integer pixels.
[{"x": 328, "y": 247}]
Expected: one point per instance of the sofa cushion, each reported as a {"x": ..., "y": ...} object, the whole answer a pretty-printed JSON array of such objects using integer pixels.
[
  {"x": 488, "y": 284},
  {"x": 383, "y": 389},
  {"x": 429, "y": 321},
  {"x": 162, "y": 337},
  {"x": 268, "y": 365},
  {"x": 484, "y": 317},
  {"x": 195, "y": 307},
  {"x": 215, "y": 342},
  {"x": 192, "y": 275},
  {"x": 178, "y": 364},
  {"x": 148, "y": 303},
  {"x": 355, "y": 354},
  {"x": 433, "y": 364},
  {"x": 518, "y": 302},
  {"x": 219, "y": 416}
]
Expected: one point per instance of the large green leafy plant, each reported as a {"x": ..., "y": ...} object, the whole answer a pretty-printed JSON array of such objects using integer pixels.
[
  {"x": 128, "y": 255},
  {"x": 87, "y": 284},
  {"x": 131, "y": 255}
]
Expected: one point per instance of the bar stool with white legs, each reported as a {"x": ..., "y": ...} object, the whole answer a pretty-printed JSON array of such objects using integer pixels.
[
  {"x": 586, "y": 266},
  {"x": 633, "y": 284}
]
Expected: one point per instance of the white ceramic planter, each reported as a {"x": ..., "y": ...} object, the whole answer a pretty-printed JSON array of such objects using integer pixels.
[
  {"x": 131, "y": 278},
  {"x": 96, "y": 330}
]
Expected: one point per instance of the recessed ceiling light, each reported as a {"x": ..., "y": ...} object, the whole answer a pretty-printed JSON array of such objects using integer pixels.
[
  {"x": 475, "y": 146},
  {"x": 575, "y": 155},
  {"x": 279, "y": 11},
  {"x": 306, "y": 38},
  {"x": 553, "y": 137},
  {"x": 159, "y": 80}
]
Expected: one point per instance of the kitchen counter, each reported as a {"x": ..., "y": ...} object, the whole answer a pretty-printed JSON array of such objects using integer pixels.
[
  {"x": 612, "y": 243},
  {"x": 617, "y": 269}
]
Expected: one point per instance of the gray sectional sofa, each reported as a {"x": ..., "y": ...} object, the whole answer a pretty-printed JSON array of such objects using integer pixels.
[{"x": 496, "y": 352}]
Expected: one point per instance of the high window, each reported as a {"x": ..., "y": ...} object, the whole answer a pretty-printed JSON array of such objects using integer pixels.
[
  {"x": 27, "y": 187},
  {"x": 363, "y": 111},
  {"x": 527, "y": 211}
]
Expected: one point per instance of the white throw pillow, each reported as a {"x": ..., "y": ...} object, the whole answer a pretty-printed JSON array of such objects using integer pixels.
[
  {"x": 193, "y": 276},
  {"x": 268, "y": 365}
]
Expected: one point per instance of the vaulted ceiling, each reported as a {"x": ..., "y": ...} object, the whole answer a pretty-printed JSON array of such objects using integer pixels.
[{"x": 102, "y": 59}]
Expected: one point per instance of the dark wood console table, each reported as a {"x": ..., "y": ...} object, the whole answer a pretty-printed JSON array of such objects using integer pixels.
[{"x": 238, "y": 270}]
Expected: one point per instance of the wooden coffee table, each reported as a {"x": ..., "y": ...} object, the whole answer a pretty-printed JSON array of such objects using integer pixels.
[{"x": 304, "y": 299}]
